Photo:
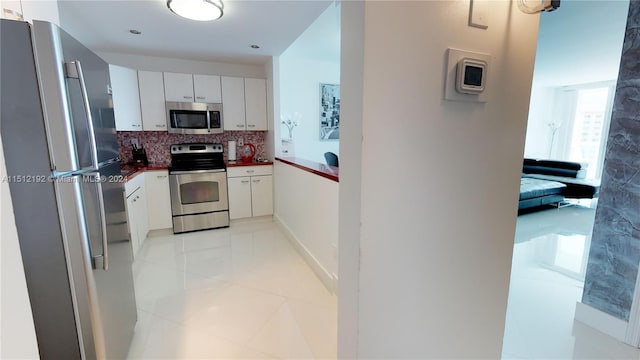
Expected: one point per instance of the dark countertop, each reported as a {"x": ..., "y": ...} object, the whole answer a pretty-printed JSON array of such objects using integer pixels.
[
  {"x": 253, "y": 163},
  {"x": 324, "y": 170},
  {"x": 131, "y": 170}
]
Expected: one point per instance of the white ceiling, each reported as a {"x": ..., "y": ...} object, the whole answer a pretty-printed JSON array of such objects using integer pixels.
[{"x": 103, "y": 26}]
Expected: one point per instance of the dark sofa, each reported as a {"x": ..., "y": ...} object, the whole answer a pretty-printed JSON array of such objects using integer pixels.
[{"x": 545, "y": 182}]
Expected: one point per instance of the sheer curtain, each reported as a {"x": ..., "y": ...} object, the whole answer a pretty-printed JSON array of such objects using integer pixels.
[{"x": 579, "y": 128}]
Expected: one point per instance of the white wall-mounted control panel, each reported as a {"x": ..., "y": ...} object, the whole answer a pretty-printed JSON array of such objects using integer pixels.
[
  {"x": 471, "y": 76},
  {"x": 468, "y": 76}
]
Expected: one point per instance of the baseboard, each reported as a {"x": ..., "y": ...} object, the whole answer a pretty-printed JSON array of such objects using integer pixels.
[
  {"x": 329, "y": 280},
  {"x": 601, "y": 321},
  {"x": 159, "y": 232}
]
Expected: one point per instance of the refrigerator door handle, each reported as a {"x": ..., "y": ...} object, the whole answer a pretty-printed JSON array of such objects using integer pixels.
[
  {"x": 73, "y": 70},
  {"x": 103, "y": 225}
]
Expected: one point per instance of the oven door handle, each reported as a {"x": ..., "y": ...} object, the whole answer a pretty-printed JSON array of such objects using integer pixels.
[{"x": 197, "y": 172}]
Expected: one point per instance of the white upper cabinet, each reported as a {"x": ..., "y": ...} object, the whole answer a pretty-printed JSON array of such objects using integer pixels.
[
  {"x": 233, "y": 107},
  {"x": 178, "y": 87},
  {"x": 126, "y": 100},
  {"x": 11, "y": 10},
  {"x": 29, "y": 10},
  {"x": 152, "y": 103},
  {"x": 255, "y": 96},
  {"x": 207, "y": 88}
]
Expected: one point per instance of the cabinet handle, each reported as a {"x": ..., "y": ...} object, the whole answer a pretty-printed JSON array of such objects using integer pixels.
[
  {"x": 160, "y": 126},
  {"x": 188, "y": 97},
  {"x": 161, "y": 176},
  {"x": 244, "y": 181},
  {"x": 250, "y": 171},
  {"x": 200, "y": 97},
  {"x": 256, "y": 180},
  {"x": 250, "y": 125},
  {"x": 240, "y": 126}
]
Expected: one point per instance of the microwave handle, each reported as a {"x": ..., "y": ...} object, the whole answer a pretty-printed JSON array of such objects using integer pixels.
[{"x": 208, "y": 120}]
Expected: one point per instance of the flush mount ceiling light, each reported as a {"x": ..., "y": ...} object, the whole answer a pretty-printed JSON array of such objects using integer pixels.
[{"x": 199, "y": 10}]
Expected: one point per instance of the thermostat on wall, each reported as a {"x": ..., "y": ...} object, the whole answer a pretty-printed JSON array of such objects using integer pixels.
[
  {"x": 467, "y": 77},
  {"x": 471, "y": 75}
]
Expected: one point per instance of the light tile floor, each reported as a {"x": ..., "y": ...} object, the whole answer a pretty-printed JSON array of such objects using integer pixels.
[
  {"x": 547, "y": 279},
  {"x": 245, "y": 293},
  {"x": 240, "y": 292}
]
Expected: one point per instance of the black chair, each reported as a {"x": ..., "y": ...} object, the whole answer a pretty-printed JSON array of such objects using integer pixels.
[{"x": 331, "y": 158}]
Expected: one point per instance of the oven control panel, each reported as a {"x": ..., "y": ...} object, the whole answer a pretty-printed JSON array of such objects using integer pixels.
[{"x": 196, "y": 148}]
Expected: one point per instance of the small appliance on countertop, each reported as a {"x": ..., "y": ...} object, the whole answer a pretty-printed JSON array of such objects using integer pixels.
[{"x": 247, "y": 152}]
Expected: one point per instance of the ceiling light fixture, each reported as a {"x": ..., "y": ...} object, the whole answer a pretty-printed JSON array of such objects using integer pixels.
[{"x": 199, "y": 10}]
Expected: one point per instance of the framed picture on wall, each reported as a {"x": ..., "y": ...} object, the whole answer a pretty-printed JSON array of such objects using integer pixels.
[{"x": 329, "y": 111}]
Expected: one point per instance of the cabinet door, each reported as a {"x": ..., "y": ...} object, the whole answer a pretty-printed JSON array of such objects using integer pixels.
[
  {"x": 233, "y": 111},
  {"x": 262, "y": 195},
  {"x": 178, "y": 87},
  {"x": 255, "y": 92},
  {"x": 141, "y": 215},
  {"x": 239, "y": 197},
  {"x": 154, "y": 117},
  {"x": 126, "y": 100},
  {"x": 158, "y": 201},
  {"x": 133, "y": 230},
  {"x": 11, "y": 10},
  {"x": 207, "y": 88}
]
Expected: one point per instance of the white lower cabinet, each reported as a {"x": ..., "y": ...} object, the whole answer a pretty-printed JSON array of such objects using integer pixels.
[
  {"x": 239, "y": 197},
  {"x": 262, "y": 195},
  {"x": 159, "y": 203},
  {"x": 137, "y": 214},
  {"x": 250, "y": 191}
]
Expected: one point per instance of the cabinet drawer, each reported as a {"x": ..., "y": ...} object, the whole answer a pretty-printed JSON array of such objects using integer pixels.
[
  {"x": 133, "y": 184},
  {"x": 237, "y": 171}
]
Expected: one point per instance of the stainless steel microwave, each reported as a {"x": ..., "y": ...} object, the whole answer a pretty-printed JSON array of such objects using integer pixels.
[{"x": 194, "y": 118}]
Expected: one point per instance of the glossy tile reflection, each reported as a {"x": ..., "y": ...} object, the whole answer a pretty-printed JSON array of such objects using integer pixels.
[
  {"x": 547, "y": 279},
  {"x": 241, "y": 292}
]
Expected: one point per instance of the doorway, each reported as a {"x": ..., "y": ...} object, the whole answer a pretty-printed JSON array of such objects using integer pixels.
[{"x": 577, "y": 63}]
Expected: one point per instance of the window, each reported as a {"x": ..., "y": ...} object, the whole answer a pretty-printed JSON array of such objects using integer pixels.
[{"x": 587, "y": 110}]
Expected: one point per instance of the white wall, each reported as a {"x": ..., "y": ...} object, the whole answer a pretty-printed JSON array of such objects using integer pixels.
[
  {"x": 302, "y": 68},
  {"x": 273, "y": 93},
  {"x": 153, "y": 63},
  {"x": 46, "y": 10},
  {"x": 17, "y": 331},
  {"x": 438, "y": 184},
  {"x": 306, "y": 207},
  {"x": 579, "y": 43}
]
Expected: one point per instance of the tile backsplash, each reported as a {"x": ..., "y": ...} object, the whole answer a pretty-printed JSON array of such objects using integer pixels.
[{"x": 157, "y": 143}]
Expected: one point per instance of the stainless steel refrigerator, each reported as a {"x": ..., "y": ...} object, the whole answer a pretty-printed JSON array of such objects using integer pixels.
[{"x": 59, "y": 139}]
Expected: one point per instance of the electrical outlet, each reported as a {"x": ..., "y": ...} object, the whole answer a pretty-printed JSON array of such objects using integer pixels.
[{"x": 240, "y": 142}]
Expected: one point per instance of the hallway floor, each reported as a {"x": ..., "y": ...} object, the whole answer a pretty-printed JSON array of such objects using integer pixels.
[
  {"x": 245, "y": 293},
  {"x": 547, "y": 279},
  {"x": 240, "y": 292}
]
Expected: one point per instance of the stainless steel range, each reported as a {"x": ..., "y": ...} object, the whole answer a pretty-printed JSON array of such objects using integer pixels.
[{"x": 198, "y": 185}]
